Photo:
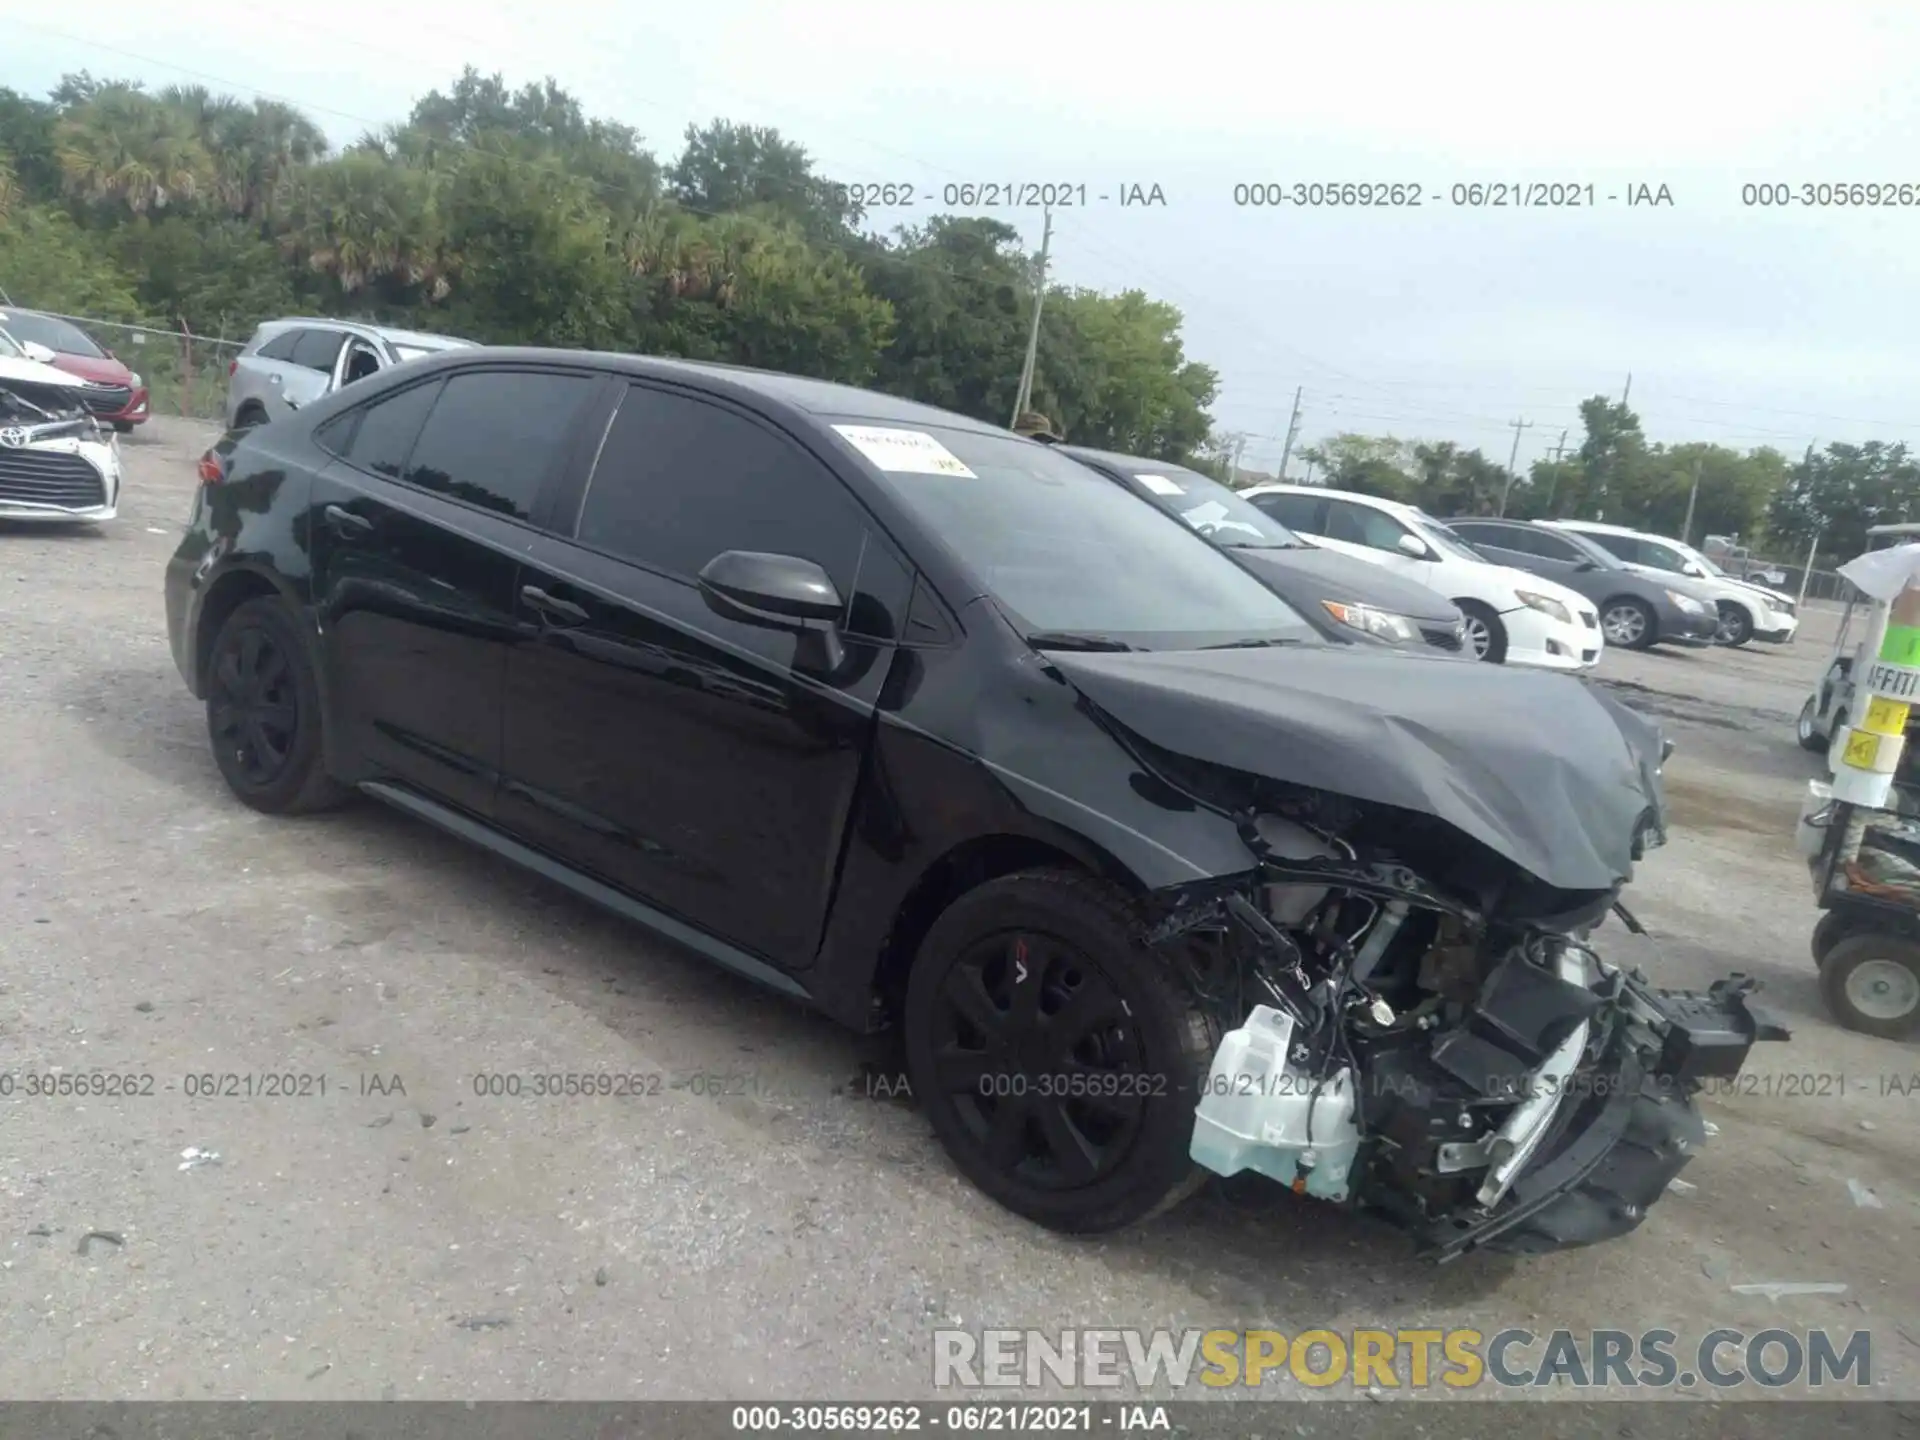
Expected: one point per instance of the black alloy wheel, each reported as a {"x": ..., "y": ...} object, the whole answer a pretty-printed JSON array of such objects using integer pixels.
[
  {"x": 1058, "y": 1060},
  {"x": 263, "y": 712}
]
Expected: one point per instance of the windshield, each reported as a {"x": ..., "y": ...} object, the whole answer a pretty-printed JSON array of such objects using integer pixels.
[
  {"x": 1444, "y": 540},
  {"x": 56, "y": 335},
  {"x": 1210, "y": 507},
  {"x": 1064, "y": 549},
  {"x": 10, "y": 348}
]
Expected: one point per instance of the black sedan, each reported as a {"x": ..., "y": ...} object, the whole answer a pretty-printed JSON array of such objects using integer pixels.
[
  {"x": 929, "y": 727},
  {"x": 1636, "y": 610},
  {"x": 1346, "y": 598}
]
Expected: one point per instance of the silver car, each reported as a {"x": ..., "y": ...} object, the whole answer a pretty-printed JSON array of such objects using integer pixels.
[{"x": 290, "y": 363}]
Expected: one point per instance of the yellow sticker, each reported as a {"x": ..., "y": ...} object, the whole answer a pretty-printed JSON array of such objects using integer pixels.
[
  {"x": 1886, "y": 717},
  {"x": 1863, "y": 748}
]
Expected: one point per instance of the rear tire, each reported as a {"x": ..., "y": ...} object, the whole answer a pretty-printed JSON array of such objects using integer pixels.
[
  {"x": 1872, "y": 984},
  {"x": 263, "y": 712},
  {"x": 123, "y": 427},
  {"x": 1806, "y": 728},
  {"x": 1829, "y": 931},
  {"x": 1038, "y": 978},
  {"x": 1736, "y": 625},
  {"x": 1486, "y": 636}
]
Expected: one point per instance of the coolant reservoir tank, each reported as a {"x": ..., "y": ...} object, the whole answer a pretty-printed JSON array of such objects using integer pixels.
[{"x": 1259, "y": 1112}]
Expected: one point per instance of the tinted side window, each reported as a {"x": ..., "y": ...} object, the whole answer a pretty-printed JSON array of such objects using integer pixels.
[
  {"x": 1305, "y": 513},
  {"x": 318, "y": 349},
  {"x": 1501, "y": 537},
  {"x": 495, "y": 435},
  {"x": 1363, "y": 525},
  {"x": 1554, "y": 547},
  {"x": 386, "y": 430},
  {"x": 1620, "y": 545},
  {"x": 281, "y": 346},
  {"x": 679, "y": 481}
]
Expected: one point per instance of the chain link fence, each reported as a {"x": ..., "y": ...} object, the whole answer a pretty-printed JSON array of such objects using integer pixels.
[{"x": 185, "y": 374}]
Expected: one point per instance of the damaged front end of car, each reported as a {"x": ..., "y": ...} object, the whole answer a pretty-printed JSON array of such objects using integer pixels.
[
  {"x": 55, "y": 463},
  {"x": 1412, "y": 1017}
]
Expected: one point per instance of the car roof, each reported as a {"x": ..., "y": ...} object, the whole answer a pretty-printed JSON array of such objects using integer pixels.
[
  {"x": 821, "y": 400},
  {"x": 1396, "y": 506},
  {"x": 1600, "y": 528},
  {"x": 419, "y": 338},
  {"x": 1129, "y": 463}
]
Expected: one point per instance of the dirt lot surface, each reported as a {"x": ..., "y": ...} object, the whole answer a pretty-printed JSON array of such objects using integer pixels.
[{"x": 789, "y": 1237}]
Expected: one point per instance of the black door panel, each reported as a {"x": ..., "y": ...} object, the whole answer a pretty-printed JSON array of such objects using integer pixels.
[
  {"x": 676, "y": 754},
  {"x": 416, "y": 612}
]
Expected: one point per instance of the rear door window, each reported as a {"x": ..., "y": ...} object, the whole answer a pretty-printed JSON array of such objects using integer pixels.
[
  {"x": 280, "y": 347},
  {"x": 379, "y": 437},
  {"x": 495, "y": 436},
  {"x": 318, "y": 349}
]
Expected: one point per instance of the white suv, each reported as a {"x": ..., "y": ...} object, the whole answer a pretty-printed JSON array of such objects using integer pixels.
[
  {"x": 1747, "y": 611},
  {"x": 1512, "y": 616}
]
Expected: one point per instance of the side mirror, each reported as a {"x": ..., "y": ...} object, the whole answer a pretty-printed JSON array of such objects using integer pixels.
[
  {"x": 1414, "y": 546},
  {"x": 1693, "y": 569},
  {"x": 36, "y": 351},
  {"x": 778, "y": 592},
  {"x": 1586, "y": 563}
]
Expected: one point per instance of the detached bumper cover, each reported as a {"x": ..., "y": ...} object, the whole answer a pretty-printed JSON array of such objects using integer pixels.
[{"x": 1627, "y": 1126}]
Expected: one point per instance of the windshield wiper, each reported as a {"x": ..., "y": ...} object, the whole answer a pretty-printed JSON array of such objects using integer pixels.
[
  {"x": 1069, "y": 640},
  {"x": 1250, "y": 644}
]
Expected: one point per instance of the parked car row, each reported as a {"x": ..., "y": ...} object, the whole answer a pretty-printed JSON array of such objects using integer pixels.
[{"x": 1165, "y": 836}]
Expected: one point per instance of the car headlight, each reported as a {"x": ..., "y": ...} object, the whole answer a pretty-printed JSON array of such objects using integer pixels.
[
  {"x": 1381, "y": 624},
  {"x": 135, "y": 380},
  {"x": 1545, "y": 604},
  {"x": 1687, "y": 603}
]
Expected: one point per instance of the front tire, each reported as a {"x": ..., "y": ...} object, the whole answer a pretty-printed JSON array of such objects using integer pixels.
[
  {"x": 1486, "y": 636},
  {"x": 1806, "y": 729},
  {"x": 1872, "y": 984},
  {"x": 1629, "y": 623},
  {"x": 263, "y": 712},
  {"x": 1058, "y": 1059},
  {"x": 1736, "y": 625}
]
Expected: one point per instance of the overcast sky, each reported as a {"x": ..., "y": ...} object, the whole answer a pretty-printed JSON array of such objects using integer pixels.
[{"x": 1744, "y": 325}]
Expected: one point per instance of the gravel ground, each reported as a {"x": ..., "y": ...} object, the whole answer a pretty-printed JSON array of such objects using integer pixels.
[{"x": 792, "y": 1237}]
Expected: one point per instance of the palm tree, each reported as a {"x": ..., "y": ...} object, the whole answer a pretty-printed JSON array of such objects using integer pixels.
[
  {"x": 123, "y": 147},
  {"x": 360, "y": 219}
]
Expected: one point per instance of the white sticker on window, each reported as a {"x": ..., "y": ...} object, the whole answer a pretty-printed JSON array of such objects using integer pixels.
[
  {"x": 908, "y": 452},
  {"x": 1160, "y": 484}
]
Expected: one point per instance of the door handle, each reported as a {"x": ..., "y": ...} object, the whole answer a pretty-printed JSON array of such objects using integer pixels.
[
  {"x": 273, "y": 379},
  {"x": 552, "y": 606},
  {"x": 345, "y": 522}
]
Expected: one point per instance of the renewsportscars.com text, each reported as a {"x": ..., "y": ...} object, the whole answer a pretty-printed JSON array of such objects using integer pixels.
[{"x": 1457, "y": 1359}]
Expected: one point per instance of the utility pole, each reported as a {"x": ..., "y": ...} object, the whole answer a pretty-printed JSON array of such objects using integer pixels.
[
  {"x": 1025, "y": 393},
  {"x": 1293, "y": 428},
  {"x": 1513, "y": 458},
  {"x": 1309, "y": 479},
  {"x": 1629, "y": 388},
  {"x": 1561, "y": 448},
  {"x": 1686, "y": 528}
]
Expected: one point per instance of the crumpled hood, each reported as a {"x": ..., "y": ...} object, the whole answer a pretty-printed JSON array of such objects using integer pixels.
[
  {"x": 1556, "y": 777},
  {"x": 1348, "y": 581}
]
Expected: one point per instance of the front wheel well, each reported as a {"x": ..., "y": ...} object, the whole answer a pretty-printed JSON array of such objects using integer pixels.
[
  {"x": 965, "y": 867},
  {"x": 227, "y": 595}
]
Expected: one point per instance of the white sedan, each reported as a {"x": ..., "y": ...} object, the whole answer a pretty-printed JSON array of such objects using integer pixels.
[{"x": 1512, "y": 617}]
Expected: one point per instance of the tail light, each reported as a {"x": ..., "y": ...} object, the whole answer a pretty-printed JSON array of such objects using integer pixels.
[
  {"x": 212, "y": 470},
  {"x": 233, "y": 368}
]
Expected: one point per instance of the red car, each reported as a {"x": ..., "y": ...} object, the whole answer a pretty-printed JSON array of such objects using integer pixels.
[{"x": 122, "y": 400}]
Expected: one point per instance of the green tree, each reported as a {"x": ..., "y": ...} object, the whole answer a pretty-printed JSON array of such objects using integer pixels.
[
  {"x": 128, "y": 151},
  {"x": 1113, "y": 374},
  {"x": 726, "y": 167},
  {"x": 1368, "y": 464},
  {"x": 1841, "y": 491},
  {"x": 50, "y": 263}
]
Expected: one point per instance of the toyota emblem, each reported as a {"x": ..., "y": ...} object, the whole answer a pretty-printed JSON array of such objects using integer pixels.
[{"x": 13, "y": 437}]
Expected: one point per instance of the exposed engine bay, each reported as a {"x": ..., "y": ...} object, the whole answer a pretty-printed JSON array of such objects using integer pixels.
[
  {"x": 1409, "y": 1029},
  {"x": 51, "y": 411}
]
